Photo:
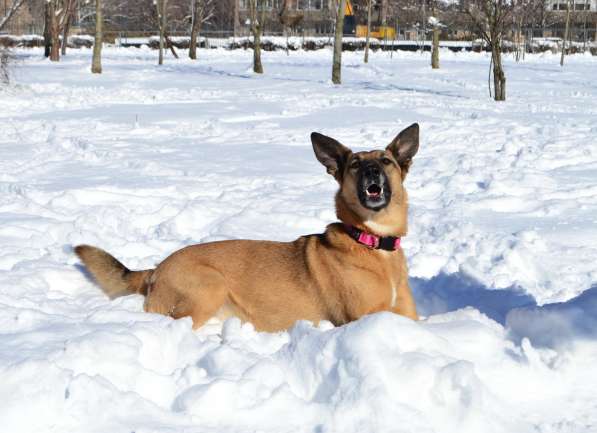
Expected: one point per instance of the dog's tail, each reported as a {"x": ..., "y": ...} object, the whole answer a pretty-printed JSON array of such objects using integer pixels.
[{"x": 113, "y": 277}]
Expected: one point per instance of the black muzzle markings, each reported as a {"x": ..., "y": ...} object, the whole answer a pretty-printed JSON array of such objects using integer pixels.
[{"x": 373, "y": 187}]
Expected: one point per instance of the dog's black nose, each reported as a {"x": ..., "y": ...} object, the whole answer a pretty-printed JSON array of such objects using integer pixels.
[{"x": 371, "y": 170}]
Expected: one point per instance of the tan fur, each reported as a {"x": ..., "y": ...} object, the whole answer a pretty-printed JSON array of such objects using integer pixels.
[
  {"x": 273, "y": 284},
  {"x": 114, "y": 278}
]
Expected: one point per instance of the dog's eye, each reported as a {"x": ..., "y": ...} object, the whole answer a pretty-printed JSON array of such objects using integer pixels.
[
  {"x": 386, "y": 161},
  {"x": 354, "y": 164}
]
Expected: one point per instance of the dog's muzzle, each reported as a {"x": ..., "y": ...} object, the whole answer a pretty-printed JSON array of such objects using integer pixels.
[{"x": 373, "y": 186}]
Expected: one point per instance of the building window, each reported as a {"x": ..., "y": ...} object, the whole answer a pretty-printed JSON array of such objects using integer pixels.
[
  {"x": 306, "y": 5},
  {"x": 580, "y": 6},
  {"x": 268, "y": 4}
]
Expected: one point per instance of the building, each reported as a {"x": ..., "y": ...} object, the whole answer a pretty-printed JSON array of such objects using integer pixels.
[
  {"x": 576, "y": 5},
  {"x": 302, "y": 17},
  {"x": 27, "y": 20},
  {"x": 583, "y": 19},
  {"x": 407, "y": 18}
]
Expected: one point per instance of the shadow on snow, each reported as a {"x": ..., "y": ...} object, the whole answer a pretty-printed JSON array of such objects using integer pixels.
[{"x": 547, "y": 325}]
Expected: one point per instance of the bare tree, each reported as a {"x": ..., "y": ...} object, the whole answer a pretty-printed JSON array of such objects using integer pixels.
[
  {"x": 236, "y": 18},
  {"x": 435, "y": 39},
  {"x": 201, "y": 11},
  {"x": 16, "y": 4},
  {"x": 384, "y": 12},
  {"x": 196, "y": 18},
  {"x": 47, "y": 36},
  {"x": 257, "y": 15},
  {"x": 160, "y": 6},
  {"x": 566, "y": 30},
  {"x": 96, "y": 64},
  {"x": 66, "y": 28},
  {"x": 58, "y": 12},
  {"x": 490, "y": 18},
  {"x": 284, "y": 20},
  {"x": 337, "y": 61},
  {"x": 4, "y": 59},
  {"x": 366, "y": 59}
]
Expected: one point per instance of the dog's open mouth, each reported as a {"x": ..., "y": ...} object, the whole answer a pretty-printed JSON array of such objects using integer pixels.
[
  {"x": 374, "y": 191},
  {"x": 373, "y": 187},
  {"x": 375, "y": 195}
]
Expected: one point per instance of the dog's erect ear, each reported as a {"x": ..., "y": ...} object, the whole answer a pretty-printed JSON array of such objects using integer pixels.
[
  {"x": 405, "y": 146},
  {"x": 330, "y": 153}
]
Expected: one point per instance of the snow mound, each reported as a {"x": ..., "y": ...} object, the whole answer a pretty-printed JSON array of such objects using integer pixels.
[{"x": 143, "y": 160}]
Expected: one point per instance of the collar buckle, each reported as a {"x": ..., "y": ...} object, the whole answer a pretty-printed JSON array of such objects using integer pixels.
[
  {"x": 373, "y": 242},
  {"x": 369, "y": 240}
]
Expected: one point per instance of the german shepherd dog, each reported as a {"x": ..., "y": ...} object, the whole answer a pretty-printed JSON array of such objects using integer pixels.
[{"x": 356, "y": 267}]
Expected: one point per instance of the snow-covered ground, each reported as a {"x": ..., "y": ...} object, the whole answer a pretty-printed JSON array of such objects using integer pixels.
[{"x": 145, "y": 159}]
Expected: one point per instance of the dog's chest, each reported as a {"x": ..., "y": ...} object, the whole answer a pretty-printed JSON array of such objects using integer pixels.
[
  {"x": 371, "y": 298},
  {"x": 377, "y": 290},
  {"x": 391, "y": 276}
]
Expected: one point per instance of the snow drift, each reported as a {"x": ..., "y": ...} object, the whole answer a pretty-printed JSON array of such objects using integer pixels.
[{"x": 143, "y": 160}]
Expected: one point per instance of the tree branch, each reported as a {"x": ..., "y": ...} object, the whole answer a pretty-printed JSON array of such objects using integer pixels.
[
  {"x": 13, "y": 9},
  {"x": 477, "y": 23}
]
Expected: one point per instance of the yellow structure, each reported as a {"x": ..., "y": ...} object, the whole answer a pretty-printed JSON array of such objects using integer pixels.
[
  {"x": 378, "y": 32},
  {"x": 348, "y": 9}
]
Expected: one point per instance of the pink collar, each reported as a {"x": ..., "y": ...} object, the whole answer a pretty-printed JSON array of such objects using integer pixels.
[{"x": 387, "y": 243}]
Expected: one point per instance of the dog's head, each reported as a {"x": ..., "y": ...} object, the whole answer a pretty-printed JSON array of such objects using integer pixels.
[{"x": 371, "y": 193}]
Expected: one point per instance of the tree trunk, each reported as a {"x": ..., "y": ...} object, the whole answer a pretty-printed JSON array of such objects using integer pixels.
[
  {"x": 55, "y": 48},
  {"x": 161, "y": 9},
  {"x": 161, "y": 49},
  {"x": 366, "y": 59},
  {"x": 435, "y": 42},
  {"x": 197, "y": 17},
  {"x": 565, "y": 33},
  {"x": 256, "y": 27},
  {"x": 499, "y": 77},
  {"x": 65, "y": 32},
  {"x": 54, "y": 32},
  {"x": 517, "y": 41},
  {"x": 435, "y": 49},
  {"x": 96, "y": 64},
  {"x": 162, "y": 31},
  {"x": 236, "y": 18},
  {"x": 384, "y": 12},
  {"x": 47, "y": 37},
  {"x": 584, "y": 30},
  {"x": 257, "y": 66},
  {"x": 170, "y": 45},
  {"x": 337, "y": 61}
]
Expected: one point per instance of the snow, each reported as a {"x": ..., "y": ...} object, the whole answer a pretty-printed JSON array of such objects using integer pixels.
[
  {"x": 144, "y": 159},
  {"x": 433, "y": 21},
  {"x": 298, "y": 42}
]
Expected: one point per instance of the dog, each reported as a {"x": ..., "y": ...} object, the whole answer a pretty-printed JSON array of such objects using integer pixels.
[{"x": 356, "y": 267}]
